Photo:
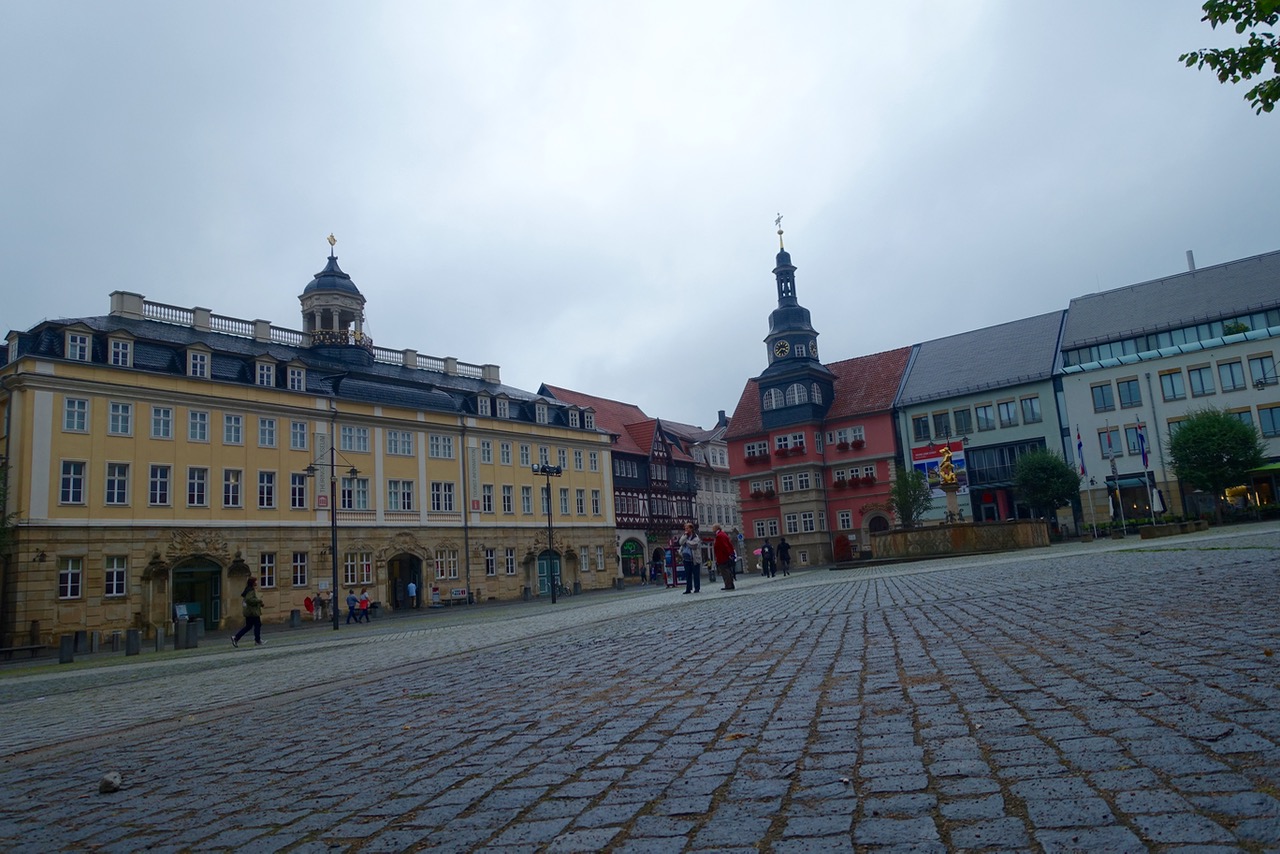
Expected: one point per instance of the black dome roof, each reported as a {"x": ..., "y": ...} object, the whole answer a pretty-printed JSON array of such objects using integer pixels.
[{"x": 331, "y": 278}]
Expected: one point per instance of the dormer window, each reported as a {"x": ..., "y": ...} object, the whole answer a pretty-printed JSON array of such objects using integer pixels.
[
  {"x": 772, "y": 399},
  {"x": 198, "y": 365},
  {"x": 121, "y": 353},
  {"x": 589, "y": 420},
  {"x": 266, "y": 374},
  {"x": 297, "y": 379},
  {"x": 541, "y": 414},
  {"x": 503, "y": 407},
  {"x": 573, "y": 417},
  {"x": 77, "y": 347},
  {"x": 482, "y": 404}
]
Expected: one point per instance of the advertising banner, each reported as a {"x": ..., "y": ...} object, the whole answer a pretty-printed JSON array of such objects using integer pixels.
[{"x": 927, "y": 459}]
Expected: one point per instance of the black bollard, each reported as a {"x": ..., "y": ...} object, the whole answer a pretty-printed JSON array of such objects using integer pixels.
[
  {"x": 133, "y": 641},
  {"x": 66, "y": 649}
]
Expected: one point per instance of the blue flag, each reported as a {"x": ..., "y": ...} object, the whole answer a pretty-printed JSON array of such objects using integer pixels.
[{"x": 1142, "y": 446}]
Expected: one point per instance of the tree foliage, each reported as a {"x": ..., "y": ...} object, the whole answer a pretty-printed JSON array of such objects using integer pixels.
[
  {"x": 1045, "y": 481},
  {"x": 910, "y": 497},
  {"x": 1212, "y": 450},
  {"x": 1250, "y": 60}
]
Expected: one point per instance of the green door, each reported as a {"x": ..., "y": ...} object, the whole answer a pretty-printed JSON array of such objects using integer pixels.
[
  {"x": 198, "y": 586},
  {"x": 548, "y": 569}
]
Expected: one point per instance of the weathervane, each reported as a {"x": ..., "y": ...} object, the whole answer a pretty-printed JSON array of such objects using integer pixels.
[
  {"x": 332, "y": 242},
  {"x": 778, "y": 222}
]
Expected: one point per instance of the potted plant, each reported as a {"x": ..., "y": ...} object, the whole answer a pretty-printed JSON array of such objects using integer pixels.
[
  {"x": 769, "y": 493},
  {"x": 756, "y": 493},
  {"x": 841, "y": 483},
  {"x": 842, "y": 446},
  {"x": 859, "y": 444}
]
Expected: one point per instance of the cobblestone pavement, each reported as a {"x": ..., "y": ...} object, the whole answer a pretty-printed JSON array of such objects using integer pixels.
[{"x": 1111, "y": 696}]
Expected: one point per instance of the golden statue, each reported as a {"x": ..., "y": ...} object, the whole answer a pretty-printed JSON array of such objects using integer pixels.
[{"x": 946, "y": 471}]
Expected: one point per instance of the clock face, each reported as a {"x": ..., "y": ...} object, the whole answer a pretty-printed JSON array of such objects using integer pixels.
[
  {"x": 813, "y": 348},
  {"x": 781, "y": 349}
]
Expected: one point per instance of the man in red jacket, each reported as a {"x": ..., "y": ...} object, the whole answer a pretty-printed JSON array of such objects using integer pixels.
[{"x": 722, "y": 548}]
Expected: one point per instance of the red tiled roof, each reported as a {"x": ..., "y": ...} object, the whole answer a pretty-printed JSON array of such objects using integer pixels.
[
  {"x": 864, "y": 385},
  {"x": 611, "y": 416}
]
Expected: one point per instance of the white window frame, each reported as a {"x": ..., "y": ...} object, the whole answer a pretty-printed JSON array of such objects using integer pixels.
[{"x": 75, "y": 415}]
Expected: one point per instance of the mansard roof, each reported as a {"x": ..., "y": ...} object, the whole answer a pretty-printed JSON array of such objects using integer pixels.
[{"x": 161, "y": 347}]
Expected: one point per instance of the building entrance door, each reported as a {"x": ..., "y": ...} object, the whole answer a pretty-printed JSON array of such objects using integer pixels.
[
  {"x": 402, "y": 569},
  {"x": 198, "y": 586},
  {"x": 548, "y": 572}
]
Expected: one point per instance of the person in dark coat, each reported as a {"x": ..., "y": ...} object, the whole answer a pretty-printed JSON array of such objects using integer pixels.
[
  {"x": 768, "y": 566},
  {"x": 784, "y": 555},
  {"x": 252, "y": 613}
]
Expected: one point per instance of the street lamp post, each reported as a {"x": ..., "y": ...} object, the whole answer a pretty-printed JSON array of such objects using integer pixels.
[
  {"x": 333, "y": 520},
  {"x": 312, "y": 471},
  {"x": 552, "y": 569}
]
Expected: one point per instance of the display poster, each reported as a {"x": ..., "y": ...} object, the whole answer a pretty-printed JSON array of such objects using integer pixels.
[{"x": 928, "y": 458}]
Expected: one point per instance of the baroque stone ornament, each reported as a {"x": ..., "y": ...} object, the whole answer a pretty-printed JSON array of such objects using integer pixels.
[
  {"x": 185, "y": 543},
  {"x": 238, "y": 567},
  {"x": 155, "y": 568},
  {"x": 402, "y": 543}
]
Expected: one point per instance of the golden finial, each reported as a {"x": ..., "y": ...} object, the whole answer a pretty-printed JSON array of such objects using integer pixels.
[
  {"x": 332, "y": 240},
  {"x": 778, "y": 222}
]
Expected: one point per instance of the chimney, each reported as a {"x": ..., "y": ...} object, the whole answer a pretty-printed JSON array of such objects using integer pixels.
[{"x": 1191, "y": 261}]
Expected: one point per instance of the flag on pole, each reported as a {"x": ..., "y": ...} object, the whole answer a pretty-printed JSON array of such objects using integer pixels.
[
  {"x": 1142, "y": 445},
  {"x": 1080, "y": 451}
]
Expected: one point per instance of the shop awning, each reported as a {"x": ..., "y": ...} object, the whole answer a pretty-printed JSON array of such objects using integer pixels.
[
  {"x": 1267, "y": 469},
  {"x": 1128, "y": 482}
]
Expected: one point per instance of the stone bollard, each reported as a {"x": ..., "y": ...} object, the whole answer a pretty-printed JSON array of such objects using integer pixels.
[
  {"x": 295, "y": 618},
  {"x": 577, "y": 588},
  {"x": 193, "y": 634},
  {"x": 115, "y": 640},
  {"x": 527, "y": 594},
  {"x": 199, "y": 623},
  {"x": 81, "y": 640},
  {"x": 180, "y": 634},
  {"x": 95, "y": 641},
  {"x": 159, "y": 638},
  {"x": 133, "y": 641},
  {"x": 66, "y": 649}
]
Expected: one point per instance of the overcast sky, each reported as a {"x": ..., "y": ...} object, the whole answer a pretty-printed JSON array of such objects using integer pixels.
[{"x": 584, "y": 193}]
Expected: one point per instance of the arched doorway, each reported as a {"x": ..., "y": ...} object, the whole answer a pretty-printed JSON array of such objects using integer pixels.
[
  {"x": 878, "y": 524},
  {"x": 633, "y": 559},
  {"x": 548, "y": 571},
  {"x": 197, "y": 585},
  {"x": 401, "y": 570}
]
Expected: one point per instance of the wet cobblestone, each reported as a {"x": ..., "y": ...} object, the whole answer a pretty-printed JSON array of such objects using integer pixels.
[{"x": 1102, "y": 697}]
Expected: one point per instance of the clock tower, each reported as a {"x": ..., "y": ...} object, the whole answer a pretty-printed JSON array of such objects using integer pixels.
[{"x": 795, "y": 388}]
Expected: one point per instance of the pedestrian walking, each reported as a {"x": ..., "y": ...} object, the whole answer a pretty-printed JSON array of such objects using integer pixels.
[
  {"x": 364, "y": 605},
  {"x": 722, "y": 550},
  {"x": 784, "y": 555},
  {"x": 690, "y": 544},
  {"x": 413, "y": 594},
  {"x": 768, "y": 566},
  {"x": 252, "y": 614},
  {"x": 352, "y": 604}
]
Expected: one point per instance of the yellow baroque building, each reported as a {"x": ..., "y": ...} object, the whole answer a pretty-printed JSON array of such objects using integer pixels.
[{"x": 157, "y": 456}]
